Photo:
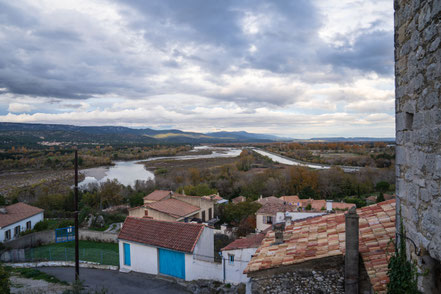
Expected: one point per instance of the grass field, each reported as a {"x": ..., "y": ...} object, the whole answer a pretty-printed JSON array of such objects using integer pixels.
[{"x": 103, "y": 253}]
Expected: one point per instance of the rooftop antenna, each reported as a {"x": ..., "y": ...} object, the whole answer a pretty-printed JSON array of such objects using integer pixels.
[{"x": 77, "y": 257}]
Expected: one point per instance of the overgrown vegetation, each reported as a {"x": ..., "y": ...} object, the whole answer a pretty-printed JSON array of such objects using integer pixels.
[
  {"x": 402, "y": 273},
  {"x": 32, "y": 273},
  {"x": 5, "y": 284}
]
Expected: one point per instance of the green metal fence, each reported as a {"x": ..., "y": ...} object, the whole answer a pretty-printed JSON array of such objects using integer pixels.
[{"x": 48, "y": 253}]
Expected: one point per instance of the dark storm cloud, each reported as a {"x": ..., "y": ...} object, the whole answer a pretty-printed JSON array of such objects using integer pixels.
[
  {"x": 371, "y": 52},
  {"x": 70, "y": 55}
]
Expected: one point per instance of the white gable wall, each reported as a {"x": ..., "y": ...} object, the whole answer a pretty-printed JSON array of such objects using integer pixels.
[
  {"x": 196, "y": 269},
  {"x": 204, "y": 248},
  {"x": 34, "y": 219},
  {"x": 143, "y": 258}
]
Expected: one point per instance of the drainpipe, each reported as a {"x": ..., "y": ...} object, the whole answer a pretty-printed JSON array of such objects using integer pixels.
[{"x": 352, "y": 253}]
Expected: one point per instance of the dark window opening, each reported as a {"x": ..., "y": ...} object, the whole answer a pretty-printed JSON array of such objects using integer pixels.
[
  {"x": 409, "y": 121},
  {"x": 203, "y": 216},
  {"x": 28, "y": 225},
  {"x": 17, "y": 231}
]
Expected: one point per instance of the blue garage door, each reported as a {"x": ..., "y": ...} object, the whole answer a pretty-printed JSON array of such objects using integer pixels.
[{"x": 172, "y": 263}]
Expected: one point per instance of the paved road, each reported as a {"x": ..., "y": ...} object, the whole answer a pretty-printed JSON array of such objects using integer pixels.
[{"x": 116, "y": 282}]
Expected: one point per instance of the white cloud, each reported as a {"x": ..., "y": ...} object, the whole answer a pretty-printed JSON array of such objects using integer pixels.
[
  {"x": 19, "y": 107},
  {"x": 231, "y": 66}
]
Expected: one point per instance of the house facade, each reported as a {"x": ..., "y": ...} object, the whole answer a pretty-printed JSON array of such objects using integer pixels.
[
  {"x": 237, "y": 255},
  {"x": 17, "y": 218},
  {"x": 180, "y": 250},
  {"x": 169, "y": 206},
  {"x": 274, "y": 210}
]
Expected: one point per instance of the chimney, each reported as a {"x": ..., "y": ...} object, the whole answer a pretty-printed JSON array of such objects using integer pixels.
[
  {"x": 352, "y": 253},
  {"x": 288, "y": 219},
  {"x": 329, "y": 205},
  {"x": 278, "y": 232}
]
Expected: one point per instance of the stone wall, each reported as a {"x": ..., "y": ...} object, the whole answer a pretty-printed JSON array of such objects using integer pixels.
[
  {"x": 325, "y": 275},
  {"x": 418, "y": 132},
  {"x": 301, "y": 281}
]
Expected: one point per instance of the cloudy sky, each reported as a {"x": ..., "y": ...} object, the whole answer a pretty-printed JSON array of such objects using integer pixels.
[{"x": 291, "y": 68}]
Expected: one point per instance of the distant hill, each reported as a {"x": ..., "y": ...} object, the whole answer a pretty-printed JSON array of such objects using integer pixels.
[
  {"x": 353, "y": 139},
  {"x": 24, "y": 134}
]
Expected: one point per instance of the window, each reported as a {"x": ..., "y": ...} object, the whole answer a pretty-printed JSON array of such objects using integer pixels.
[
  {"x": 16, "y": 231},
  {"x": 231, "y": 258},
  {"x": 268, "y": 219},
  {"x": 210, "y": 212},
  {"x": 203, "y": 216},
  {"x": 28, "y": 225},
  {"x": 8, "y": 235}
]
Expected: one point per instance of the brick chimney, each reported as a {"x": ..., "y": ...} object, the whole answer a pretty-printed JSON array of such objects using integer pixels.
[
  {"x": 278, "y": 232},
  {"x": 352, "y": 253},
  {"x": 288, "y": 219}
]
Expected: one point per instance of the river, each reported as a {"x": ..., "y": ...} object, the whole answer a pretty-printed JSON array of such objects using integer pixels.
[
  {"x": 128, "y": 172},
  {"x": 289, "y": 161}
]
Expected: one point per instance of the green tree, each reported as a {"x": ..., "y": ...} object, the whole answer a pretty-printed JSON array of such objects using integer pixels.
[
  {"x": 5, "y": 284},
  {"x": 234, "y": 214},
  {"x": 382, "y": 186},
  {"x": 198, "y": 190},
  {"x": 380, "y": 197}
]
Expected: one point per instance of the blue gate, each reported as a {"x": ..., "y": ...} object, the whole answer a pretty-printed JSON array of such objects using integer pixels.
[
  {"x": 64, "y": 234},
  {"x": 172, "y": 263}
]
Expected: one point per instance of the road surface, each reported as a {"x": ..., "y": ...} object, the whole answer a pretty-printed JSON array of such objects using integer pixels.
[{"x": 116, "y": 282}]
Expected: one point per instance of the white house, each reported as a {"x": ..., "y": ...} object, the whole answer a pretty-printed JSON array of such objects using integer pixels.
[
  {"x": 16, "y": 218},
  {"x": 181, "y": 250},
  {"x": 237, "y": 255}
]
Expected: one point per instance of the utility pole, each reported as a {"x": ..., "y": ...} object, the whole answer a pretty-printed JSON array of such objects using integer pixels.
[{"x": 77, "y": 257}]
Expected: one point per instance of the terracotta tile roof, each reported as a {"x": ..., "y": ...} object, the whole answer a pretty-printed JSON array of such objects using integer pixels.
[
  {"x": 17, "y": 212},
  {"x": 239, "y": 199},
  {"x": 342, "y": 205},
  {"x": 251, "y": 241},
  {"x": 157, "y": 195},
  {"x": 291, "y": 199},
  {"x": 271, "y": 199},
  {"x": 213, "y": 197},
  {"x": 273, "y": 207},
  {"x": 324, "y": 236},
  {"x": 172, "y": 235},
  {"x": 173, "y": 207}
]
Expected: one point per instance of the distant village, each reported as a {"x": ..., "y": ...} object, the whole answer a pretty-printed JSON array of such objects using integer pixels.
[{"x": 295, "y": 241}]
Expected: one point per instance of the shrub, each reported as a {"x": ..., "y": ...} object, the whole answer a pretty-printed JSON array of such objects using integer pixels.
[
  {"x": 5, "y": 284},
  {"x": 41, "y": 226}
]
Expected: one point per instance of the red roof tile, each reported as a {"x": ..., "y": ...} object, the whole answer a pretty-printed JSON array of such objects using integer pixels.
[
  {"x": 324, "y": 236},
  {"x": 172, "y": 235},
  {"x": 157, "y": 195},
  {"x": 173, "y": 207},
  {"x": 17, "y": 212},
  {"x": 251, "y": 241}
]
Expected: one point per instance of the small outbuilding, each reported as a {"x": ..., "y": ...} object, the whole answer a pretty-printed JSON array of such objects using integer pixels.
[{"x": 177, "y": 249}]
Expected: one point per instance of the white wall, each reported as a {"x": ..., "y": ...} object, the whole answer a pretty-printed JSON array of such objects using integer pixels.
[
  {"x": 260, "y": 226},
  {"x": 196, "y": 269},
  {"x": 303, "y": 215},
  {"x": 204, "y": 249},
  {"x": 143, "y": 258},
  {"x": 34, "y": 219},
  {"x": 234, "y": 272}
]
